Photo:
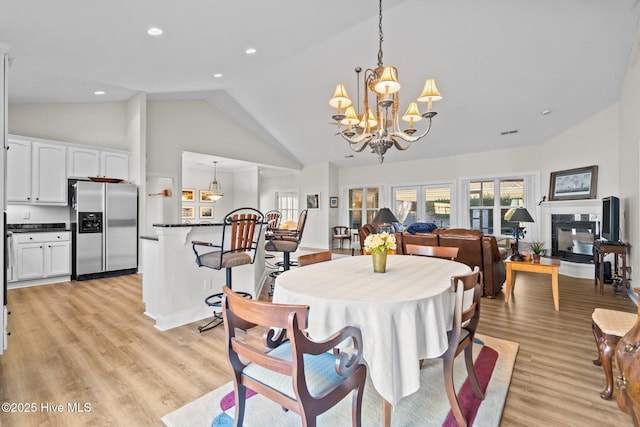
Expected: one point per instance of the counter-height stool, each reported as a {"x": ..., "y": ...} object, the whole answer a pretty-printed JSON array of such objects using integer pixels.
[
  {"x": 285, "y": 241},
  {"x": 240, "y": 235}
]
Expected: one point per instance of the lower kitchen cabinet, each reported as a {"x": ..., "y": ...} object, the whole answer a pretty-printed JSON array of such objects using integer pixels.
[{"x": 42, "y": 255}]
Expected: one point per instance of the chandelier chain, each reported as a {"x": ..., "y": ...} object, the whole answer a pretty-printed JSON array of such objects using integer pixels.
[{"x": 381, "y": 36}]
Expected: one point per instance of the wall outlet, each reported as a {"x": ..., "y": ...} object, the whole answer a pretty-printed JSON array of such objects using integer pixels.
[{"x": 26, "y": 215}]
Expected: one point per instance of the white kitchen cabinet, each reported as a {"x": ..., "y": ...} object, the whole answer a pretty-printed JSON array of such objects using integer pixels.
[
  {"x": 36, "y": 173},
  {"x": 114, "y": 165},
  {"x": 85, "y": 162},
  {"x": 82, "y": 162},
  {"x": 30, "y": 260},
  {"x": 42, "y": 255},
  {"x": 57, "y": 259},
  {"x": 18, "y": 187},
  {"x": 49, "y": 174}
]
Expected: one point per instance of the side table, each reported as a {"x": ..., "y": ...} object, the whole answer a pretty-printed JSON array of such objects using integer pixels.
[
  {"x": 600, "y": 250},
  {"x": 545, "y": 266}
]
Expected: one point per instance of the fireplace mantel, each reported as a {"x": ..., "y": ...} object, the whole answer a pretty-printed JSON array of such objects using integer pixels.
[{"x": 592, "y": 207}]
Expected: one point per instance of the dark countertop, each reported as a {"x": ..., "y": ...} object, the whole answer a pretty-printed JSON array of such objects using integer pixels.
[
  {"x": 38, "y": 228},
  {"x": 217, "y": 224}
]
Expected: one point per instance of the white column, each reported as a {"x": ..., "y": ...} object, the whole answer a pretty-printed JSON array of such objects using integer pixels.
[{"x": 3, "y": 135}]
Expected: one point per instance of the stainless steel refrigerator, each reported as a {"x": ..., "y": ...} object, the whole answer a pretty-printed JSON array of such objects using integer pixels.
[{"x": 104, "y": 229}]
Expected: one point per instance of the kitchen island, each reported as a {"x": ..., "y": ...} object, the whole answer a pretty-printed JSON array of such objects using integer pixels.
[{"x": 174, "y": 287}]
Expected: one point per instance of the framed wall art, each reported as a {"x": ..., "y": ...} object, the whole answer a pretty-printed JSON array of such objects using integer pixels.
[
  {"x": 206, "y": 212},
  {"x": 333, "y": 202},
  {"x": 188, "y": 195},
  {"x": 204, "y": 196},
  {"x": 188, "y": 212},
  {"x": 313, "y": 201},
  {"x": 574, "y": 184}
]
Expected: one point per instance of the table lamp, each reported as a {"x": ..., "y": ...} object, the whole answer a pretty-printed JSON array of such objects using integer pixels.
[
  {"x": 517, "y": 215},
  {"x": 385, "y": 219}
]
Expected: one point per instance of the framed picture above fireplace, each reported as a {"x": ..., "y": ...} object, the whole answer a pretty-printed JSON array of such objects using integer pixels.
[{"x": 574, "y": 184}]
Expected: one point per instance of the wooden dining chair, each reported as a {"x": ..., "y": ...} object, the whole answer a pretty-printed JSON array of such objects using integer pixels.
[
  {"x": 314, "y": 258},
  {"x": 445, "y": 252},
  {"x": 465, "y": 322},
  {"x": 341, "y": 233},
  {"x": 298, "y": 373}
]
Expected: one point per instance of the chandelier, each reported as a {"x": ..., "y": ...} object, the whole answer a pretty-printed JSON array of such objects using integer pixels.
[
  {"x": 381, "y": 130},
  {"x": 215, "y": 189}
]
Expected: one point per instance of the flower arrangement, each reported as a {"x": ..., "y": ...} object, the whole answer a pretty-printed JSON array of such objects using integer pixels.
[{"x": 380, "y": 242}]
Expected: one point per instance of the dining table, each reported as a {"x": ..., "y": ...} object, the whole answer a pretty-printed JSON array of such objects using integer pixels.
[{"x": 404, "y": 314}]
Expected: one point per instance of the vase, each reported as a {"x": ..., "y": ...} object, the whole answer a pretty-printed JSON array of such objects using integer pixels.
[
  {"x": 536, "y": 257},
  {"x": 379, "y": 261}
]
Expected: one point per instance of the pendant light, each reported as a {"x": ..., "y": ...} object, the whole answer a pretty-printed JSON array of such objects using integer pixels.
[{"x": 214, "y": 186}]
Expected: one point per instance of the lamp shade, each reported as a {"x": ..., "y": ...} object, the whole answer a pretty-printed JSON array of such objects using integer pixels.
[
  {"x": 340, "y": 98},
  {"x": 350, "y": 118},
  {"x": 385, "y": 216},
  {"x": 518, "y": 215},
  {"x": 388, "y": 81},
  {"x": 430, "y": 92},
  {"x": 412, "y": 114},
  {"x": 368, "y": 120}
]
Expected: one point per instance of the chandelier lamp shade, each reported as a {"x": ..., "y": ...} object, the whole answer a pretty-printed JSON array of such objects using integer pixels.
[
  {"x": 380, "y": 128},
  {"x": 215, "y": 188}
]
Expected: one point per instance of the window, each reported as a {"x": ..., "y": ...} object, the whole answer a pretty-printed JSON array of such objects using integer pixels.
[
  {"x": 363, "y": 203},
  {"x": 288, "y": 206},
  {"x": 489, "y": 200},
  {"x": 426, "y": 203}
]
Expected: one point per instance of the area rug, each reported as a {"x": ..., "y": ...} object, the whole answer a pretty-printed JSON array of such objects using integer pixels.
[{"x": 429, "y": 406}]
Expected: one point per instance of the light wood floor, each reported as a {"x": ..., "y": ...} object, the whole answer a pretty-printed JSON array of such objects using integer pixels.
[{"x": 89, "y": 342}]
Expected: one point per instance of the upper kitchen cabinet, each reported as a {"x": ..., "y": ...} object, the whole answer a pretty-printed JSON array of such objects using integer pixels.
[
  {"x": 36, "y": 172},
  {"x": 114, "y": 165},
  {"x": 85, "y": 162}
]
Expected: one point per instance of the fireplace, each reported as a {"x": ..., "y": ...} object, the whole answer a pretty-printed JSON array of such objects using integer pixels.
[{"x": 572, "y": 237}]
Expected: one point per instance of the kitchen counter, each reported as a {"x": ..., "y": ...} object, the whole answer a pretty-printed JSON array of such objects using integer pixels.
[
  {"x": 37, "y": 228},
  {"x": 199, "y": 224},
  {"x": 174, "y": 287}
]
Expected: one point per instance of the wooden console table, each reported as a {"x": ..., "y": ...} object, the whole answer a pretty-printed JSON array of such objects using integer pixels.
[
  {"x": 600, "y": 250},
  {"x": 545, "y": 266}
]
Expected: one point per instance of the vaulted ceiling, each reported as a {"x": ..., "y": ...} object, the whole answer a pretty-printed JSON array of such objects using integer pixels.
[{"x": 498, "y": 63}]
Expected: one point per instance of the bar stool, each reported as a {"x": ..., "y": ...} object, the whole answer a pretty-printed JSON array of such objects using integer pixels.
[
  {"x": 240, "y": 235},
  {"x": 286, "y": 241}
]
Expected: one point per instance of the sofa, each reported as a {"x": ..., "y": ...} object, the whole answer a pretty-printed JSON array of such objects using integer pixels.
[{"x": 475, "y": 249}]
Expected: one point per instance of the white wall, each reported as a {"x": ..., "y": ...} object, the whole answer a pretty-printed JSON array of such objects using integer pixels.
[
  {"x": 630, "y": 154},
  {"x": 199, "y": 127},
  {"x": 101, "y": 124},
  {"x": 592, "y": 142},
  {"x": 199, "y": 179},
  {"x": 245, "y": 188}
]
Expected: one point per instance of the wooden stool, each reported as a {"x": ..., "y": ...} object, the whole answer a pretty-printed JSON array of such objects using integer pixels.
[{"x": 608, "y": 327}]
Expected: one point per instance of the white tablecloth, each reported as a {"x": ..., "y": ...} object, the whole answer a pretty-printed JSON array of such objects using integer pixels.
[{"x": 404, "y": 314}]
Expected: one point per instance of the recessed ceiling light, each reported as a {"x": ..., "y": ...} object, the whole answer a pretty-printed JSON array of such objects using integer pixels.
[
  {"x": 154, "y": 31},
  {"x": 545, "y": 112},
  {"x": 99, "y": 92},
  {"x": 250, "y": 51},
  {"x": 217, "y": 75}
]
